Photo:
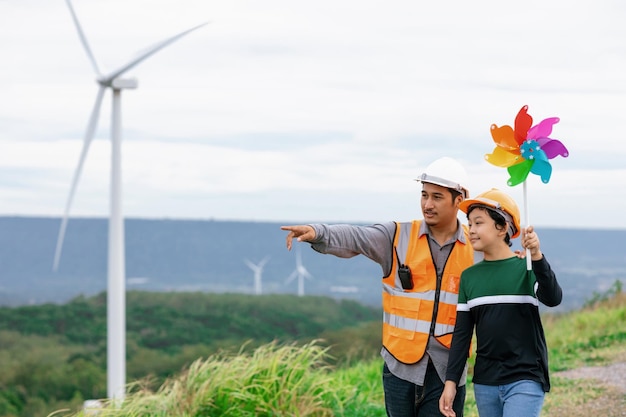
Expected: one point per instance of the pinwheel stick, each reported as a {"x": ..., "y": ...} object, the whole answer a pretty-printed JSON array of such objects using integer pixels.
[{"x": 525, "y": 225}]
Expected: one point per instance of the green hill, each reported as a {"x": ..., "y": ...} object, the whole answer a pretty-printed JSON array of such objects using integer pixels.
[{"x": 315, "y": 357}]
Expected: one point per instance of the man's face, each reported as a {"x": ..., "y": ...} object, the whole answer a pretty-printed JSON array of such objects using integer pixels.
[{"x": 438, "y": 208}]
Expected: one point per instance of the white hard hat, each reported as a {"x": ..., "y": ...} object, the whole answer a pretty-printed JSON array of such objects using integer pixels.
[{"x": 446, "y": 172}]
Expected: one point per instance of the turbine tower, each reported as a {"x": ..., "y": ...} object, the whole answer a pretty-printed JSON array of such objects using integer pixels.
[
  {"x": 116, "y": 285},
  {"x": 258, "y": 270},
  {"x": 300, "y": 272}
]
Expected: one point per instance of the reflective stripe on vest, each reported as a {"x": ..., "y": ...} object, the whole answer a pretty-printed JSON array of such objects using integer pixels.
[
  {"x": 407, "y": 314},
  {"x": 415, "y": 324}
]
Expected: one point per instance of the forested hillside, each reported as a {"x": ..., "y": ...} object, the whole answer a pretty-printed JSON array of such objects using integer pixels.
[{"x": 55, "y": 355}]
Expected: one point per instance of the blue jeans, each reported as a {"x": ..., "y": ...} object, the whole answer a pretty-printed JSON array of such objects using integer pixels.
[
  {"x": 517, "y": 399},
  {"x": 405, "y": 399}
]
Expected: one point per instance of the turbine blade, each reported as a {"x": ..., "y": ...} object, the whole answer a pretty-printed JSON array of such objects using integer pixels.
[
  {"x": 291, "y": 277},
  {"x": 91, "y": 128},
  {"x": 250, "y": 265},
  {"x": 83, "y": 38},
  {"x": 150, "y": 52}
]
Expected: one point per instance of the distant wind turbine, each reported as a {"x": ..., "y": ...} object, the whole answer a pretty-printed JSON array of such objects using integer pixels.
[
  {"x": 258, "y": 271},
  {"x": 116, "y": 297},
  {"x": 300, "y": 272}
]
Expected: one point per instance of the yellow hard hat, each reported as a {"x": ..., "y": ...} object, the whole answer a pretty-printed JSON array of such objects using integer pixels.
[{"x": 500, "y": 202}]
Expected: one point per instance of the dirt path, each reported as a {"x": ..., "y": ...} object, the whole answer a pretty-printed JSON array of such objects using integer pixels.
[
  {"x": 610, "y": 404},
  {"x": 613, "y": 374}
]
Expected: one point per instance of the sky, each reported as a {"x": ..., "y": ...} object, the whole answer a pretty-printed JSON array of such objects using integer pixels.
[{"x": 298, "y": 112}]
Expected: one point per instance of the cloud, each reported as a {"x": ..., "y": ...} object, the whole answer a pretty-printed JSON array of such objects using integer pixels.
[{"x": 328, "y": 110}]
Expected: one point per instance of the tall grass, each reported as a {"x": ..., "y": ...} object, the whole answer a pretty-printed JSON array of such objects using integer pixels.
[{"x": 273, "y": 380}]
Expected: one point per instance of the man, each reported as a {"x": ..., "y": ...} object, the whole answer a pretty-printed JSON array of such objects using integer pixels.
[{"x": 421, "y": 263}]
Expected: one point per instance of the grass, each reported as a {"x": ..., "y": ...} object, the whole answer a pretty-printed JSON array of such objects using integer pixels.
[
  {"x": 290, "y": 380},
  {"x": 582, "y": 398},
  {"x": 594, "y": 336}
]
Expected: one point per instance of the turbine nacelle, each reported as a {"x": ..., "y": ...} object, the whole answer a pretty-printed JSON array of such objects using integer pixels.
[{"x": 118, "y": 83}]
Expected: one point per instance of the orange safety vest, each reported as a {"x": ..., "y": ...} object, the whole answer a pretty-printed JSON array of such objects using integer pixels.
[{"x": 408, "y": 314}]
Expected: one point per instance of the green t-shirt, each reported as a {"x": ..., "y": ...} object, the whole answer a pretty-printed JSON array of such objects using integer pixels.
[{"x": 500, "y": 299}]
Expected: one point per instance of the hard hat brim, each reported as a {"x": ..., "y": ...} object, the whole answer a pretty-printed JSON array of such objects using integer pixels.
[{"x": 443, "y": 183}]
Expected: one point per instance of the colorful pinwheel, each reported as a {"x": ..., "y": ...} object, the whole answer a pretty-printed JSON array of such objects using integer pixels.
[{"x": 525, "y": 149}]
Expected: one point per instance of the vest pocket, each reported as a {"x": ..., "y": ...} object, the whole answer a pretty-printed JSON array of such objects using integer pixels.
[{"x": 402, "y": 316}]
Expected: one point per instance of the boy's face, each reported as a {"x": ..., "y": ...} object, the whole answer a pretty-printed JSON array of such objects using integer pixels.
[
  {"x": 438, "y": 208},
  {"x": 483, "y": 233}
]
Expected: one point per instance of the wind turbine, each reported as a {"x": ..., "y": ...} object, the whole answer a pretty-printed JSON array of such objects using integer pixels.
[
  {"x": 116, "y": 297},
  {"x": 258, "y": 270},
  {"x": 300, "y": 272}
]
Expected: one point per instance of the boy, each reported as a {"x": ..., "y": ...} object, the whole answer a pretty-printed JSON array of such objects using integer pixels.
[{"x": 500, "y": 297}]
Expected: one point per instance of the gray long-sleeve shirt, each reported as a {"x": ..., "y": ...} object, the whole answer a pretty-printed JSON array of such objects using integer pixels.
[{"x": 376, "y": 243}]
